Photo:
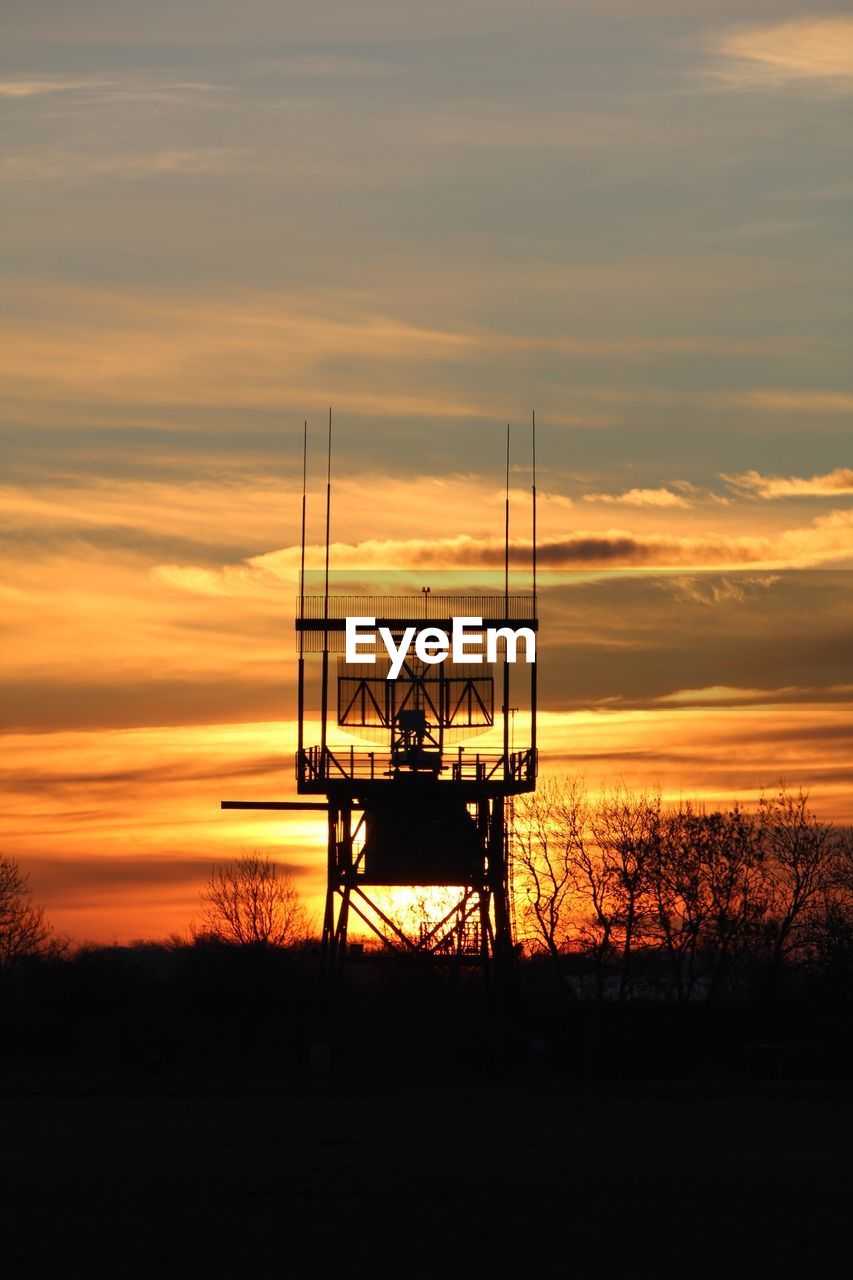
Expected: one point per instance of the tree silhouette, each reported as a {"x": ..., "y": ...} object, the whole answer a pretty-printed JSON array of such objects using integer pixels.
[
  {"x": 629, "y": 884},
  {"x": 548, "y": 848},
  {"x": 253, "y": 901},
  {"x": 804, "y": 854},
  {"x": 626, "y": 832},
  {"x": 23, "y": 931},
  {"x": 584, "y": 870}
]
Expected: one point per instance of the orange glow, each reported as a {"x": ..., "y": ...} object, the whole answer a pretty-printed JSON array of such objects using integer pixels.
[{"x": 120, "y": 827}]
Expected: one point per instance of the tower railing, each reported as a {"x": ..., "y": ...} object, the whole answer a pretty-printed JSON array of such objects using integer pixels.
[{"x": 316, "y": 766}]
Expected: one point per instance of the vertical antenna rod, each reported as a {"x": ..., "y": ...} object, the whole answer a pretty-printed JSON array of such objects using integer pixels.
[
  {"x": 534, "y": 679},
  {"x": 325, "y": 689},
  {"x": 302, "y": 556},
  {"x": 300, "y": 710},
  {"x": 534, "y": 513},
  {"x": 506, "y": 613},
  {"x": 506, "y": 532},
  {"x": 328, "y": 516}
]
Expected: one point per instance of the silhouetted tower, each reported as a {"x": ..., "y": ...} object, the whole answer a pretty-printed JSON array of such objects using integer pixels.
[{"x": 415, "y": 804}]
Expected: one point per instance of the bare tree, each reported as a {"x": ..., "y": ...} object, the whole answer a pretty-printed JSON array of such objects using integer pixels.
[
  {"x": 23, "y": 931},
  {"x": 620, "y": 879},
  {"x": 678, "y": 886},
  {"x": 583, "y": 872},
  {"x": 626, "y": 832},
  {"x": 253, "y": 901},
  {"x": 548, "y": 846},
  {"x": 803, "y": 855},
  {"x": 832, "y": 932},
  {"x": 737, "y": 894}
]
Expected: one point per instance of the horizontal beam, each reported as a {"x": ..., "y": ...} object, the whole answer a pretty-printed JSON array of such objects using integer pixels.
[
  {"x": 428, "y": 606},
  {"x": 354, "y": 791},
  {"x": 273, "y": 804},
  {"x": 401, "y": 623}
]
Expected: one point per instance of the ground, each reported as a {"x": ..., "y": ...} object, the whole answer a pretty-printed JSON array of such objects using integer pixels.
[{"x": 695, "y": 1180}]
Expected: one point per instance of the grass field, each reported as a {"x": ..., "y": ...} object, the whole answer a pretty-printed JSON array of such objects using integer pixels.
[{"x": 694, "y": 1181}]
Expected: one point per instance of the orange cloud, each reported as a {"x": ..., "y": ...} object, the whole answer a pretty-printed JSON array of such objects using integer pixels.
[
  {"x": 829, "y": 538},
  {"x": 662, "y": 497},
  {"x": 252, "y": 350},
  {"x": 830, "y": 485},
  {"x": 809, "y": 49}
]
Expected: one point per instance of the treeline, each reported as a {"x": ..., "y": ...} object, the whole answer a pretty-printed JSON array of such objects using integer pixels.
[
  {"x": 630, "y": 897},
  {"x": 659, "y": 941}
]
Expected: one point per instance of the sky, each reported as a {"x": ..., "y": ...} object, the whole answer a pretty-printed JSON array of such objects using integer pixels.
[{"x": 219, "y": 219}]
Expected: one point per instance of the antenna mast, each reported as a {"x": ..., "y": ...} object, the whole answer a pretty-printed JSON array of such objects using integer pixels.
[
  {"x": 302, "y": 555},
  {"x": 534, "y": 512},
  {"x": 325, "y": 690},
  {"x": 301, "y": 672},
  {"x": 533, "y": 670},
  {"x": 506, "y": 612},
  {"x": 506, "y": 532}
]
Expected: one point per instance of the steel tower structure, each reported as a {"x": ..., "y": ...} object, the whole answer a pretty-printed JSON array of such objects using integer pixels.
[{"x": 419, "y": 806}]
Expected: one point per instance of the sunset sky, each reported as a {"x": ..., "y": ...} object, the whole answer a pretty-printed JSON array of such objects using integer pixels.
[{"x": 220, "y": 218}]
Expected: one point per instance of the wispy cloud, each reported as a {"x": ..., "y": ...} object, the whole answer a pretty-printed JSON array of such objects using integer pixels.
[
  {"x": 729, "y": 695},
  {"x": 37, "y": 88},
  {"x": 125, "y": 89},
  {"x": 330, "y": 66},
  {"x": 804, "y": 51},
  {"x": 662, "y": 497},
  {"x": 828, "y": 538},
  {"x": 830, "y": 485},
  {"x": 796, "y": 401},
  {"x": 71, "y": 354},
  {"x": 761, "y": 699},
  {"x": 713, "y": 591},
  {"x": 73, "y": 167}
]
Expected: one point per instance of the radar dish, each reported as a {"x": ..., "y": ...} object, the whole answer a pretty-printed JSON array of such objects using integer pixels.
[{"x": 456, "y": 701}]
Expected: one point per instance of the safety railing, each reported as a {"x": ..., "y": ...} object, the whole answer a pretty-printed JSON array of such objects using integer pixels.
[{"x": 344, "y": 764}]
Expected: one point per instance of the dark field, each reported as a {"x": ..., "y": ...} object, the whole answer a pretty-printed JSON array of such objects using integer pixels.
[{"x": 684, "y": 1180}]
